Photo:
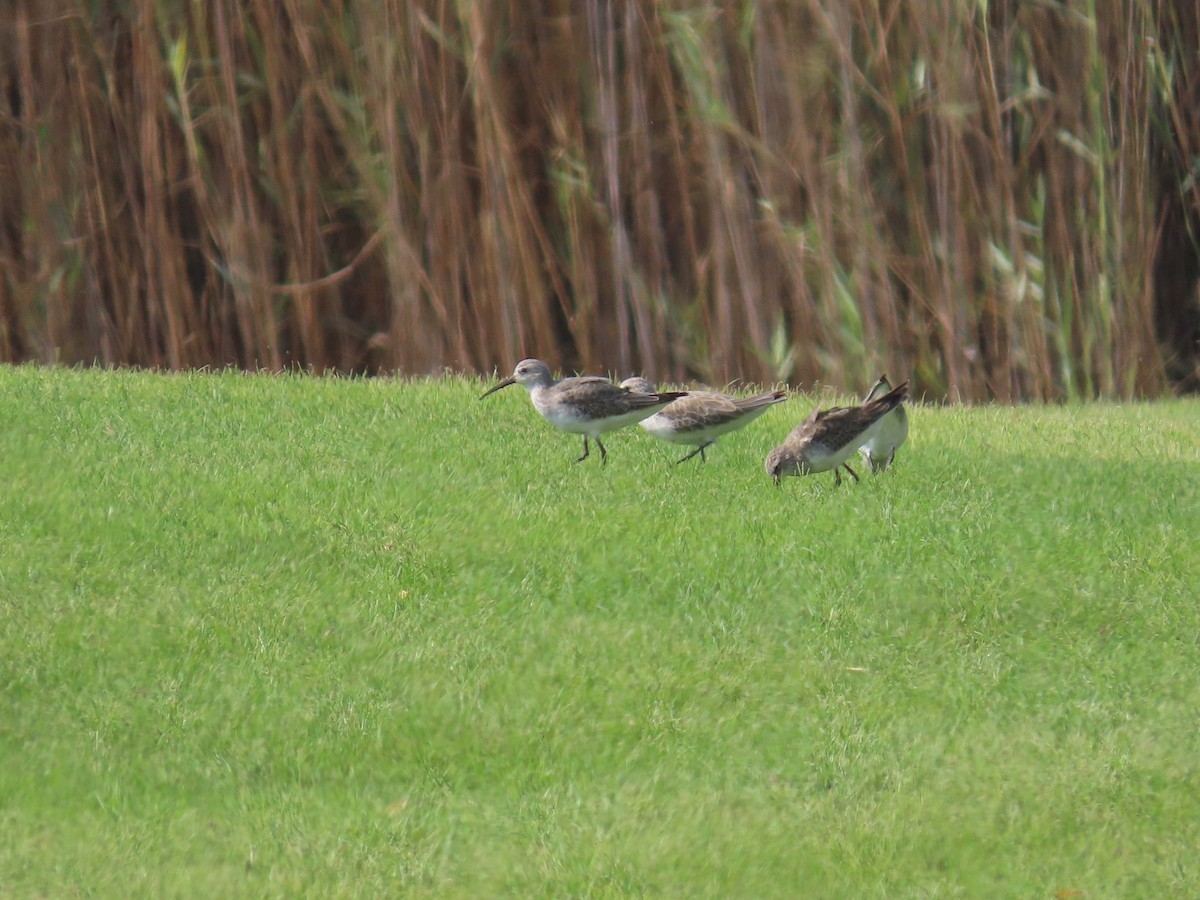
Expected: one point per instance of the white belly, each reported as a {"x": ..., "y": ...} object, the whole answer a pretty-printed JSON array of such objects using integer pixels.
[
  {"x": 564, "y": 420},
  {"x": 821, "y": 458},
  {"x": 567, "y": 418},
  {"x": 893, "y": 429},
  {"x": 660, "y": 426}
]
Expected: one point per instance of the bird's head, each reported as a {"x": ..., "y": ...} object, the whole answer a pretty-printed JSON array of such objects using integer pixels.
[
  {"x": 529, "y": 372},
  {"x": 781, "y": 462},
  {"x": 638, "y": 385}
]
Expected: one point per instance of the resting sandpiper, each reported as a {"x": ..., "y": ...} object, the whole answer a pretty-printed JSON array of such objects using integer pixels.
[
  {"x": 880, "y": 450},
  {"x": 828, "y": 437},
  {"x": 587, "y": 405},
  {"x": 702, "y": 416}
]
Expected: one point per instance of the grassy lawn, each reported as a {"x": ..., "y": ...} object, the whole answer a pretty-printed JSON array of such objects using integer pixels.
[{"x": 281, "y": 636}]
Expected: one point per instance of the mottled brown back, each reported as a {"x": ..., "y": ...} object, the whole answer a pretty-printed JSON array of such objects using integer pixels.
[{"x": 838, "y": 426}]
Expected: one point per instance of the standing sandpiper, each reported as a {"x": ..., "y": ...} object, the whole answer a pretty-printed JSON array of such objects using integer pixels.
[
  {"x": 587, "y": 405},
  {"x": 828, "y": 437},
  {"x": 702, "y": 416},
  {"x": 880, "y": 450}
]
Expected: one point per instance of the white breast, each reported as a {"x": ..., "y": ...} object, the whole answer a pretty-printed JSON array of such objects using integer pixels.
[{"x": 563, "y": 416}]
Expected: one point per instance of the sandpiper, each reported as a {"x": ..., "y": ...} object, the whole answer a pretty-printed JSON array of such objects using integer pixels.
[
  {"x": 702, "y": 416},
  {"x": 879, "y": 450},
  {"x": 828, "y": 437},
  {"x": 587, "y": 405}
]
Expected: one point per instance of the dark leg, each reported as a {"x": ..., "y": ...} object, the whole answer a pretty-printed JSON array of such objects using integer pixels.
[
  {"x": 891, "y": 458},
  {"x": 699, "y": 450},
  {"x": 603, "y": 453},
  {"x": 837, "y": 476},
  {"x": 585, "y": 449},
  {"x": 851, "y": 471}
]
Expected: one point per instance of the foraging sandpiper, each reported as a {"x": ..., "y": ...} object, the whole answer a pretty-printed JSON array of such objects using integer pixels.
[
  {"x": 880, "y": 450},
  {"x": 828, "y": 437},
  {"x": 587, "y": 405},
  {"x": 702, "y": 416}
]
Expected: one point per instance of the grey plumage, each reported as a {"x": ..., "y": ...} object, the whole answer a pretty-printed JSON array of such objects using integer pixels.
[
  {"x": 701, "y": 417},
  {"x": 587, "y": 404}
]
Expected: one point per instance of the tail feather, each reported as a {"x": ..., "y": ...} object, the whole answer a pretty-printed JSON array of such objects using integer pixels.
[
  {"x": 761, "y": 400},
  {"x": 881, "y": 406},
  {"x": 878, "y": 389},
  {"x": 638, "y": 400},
  {"x": 669, "y": 396}
]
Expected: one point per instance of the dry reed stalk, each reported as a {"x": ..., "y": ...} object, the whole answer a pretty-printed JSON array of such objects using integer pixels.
[{"x": 999, "y": 200}]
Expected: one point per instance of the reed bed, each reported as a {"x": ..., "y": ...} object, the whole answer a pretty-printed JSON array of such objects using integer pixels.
[{"x": 997, "y": 198}]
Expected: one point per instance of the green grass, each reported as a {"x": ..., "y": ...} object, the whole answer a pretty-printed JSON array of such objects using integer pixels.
[{"x": 280, "y": 636}]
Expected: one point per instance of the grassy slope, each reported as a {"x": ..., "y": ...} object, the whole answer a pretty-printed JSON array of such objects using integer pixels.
[{"x": 272, "y": 635}]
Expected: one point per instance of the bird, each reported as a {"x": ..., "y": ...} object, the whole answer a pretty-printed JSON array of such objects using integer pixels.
[
  {"x": 587, "y": 404},
  {"x": 702, "y": 416},
  {"x": 828, "y": 437},
  {"x": 880, "y": 449}
]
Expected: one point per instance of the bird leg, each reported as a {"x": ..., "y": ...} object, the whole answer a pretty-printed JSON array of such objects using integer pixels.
[
  {"x": 851, "y": 471},
  {"x": 699, "y": 450},
  {"x": 603, "y": 453},
  {"x": 837, "y": 476},
  {"x": 585, "y": 450}
]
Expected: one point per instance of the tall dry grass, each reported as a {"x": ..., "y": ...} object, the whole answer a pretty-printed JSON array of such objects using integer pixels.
[{"x": 998, "y": 198}]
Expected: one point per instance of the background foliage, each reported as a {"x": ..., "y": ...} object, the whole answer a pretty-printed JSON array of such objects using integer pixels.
[{"x": 998, "y": 198}]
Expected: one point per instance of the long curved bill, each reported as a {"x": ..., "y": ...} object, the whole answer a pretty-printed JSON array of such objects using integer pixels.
[{"x": 505, "y": 383}]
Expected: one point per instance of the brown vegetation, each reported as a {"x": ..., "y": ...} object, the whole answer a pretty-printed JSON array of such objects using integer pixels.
[{"x": 998, "y": 199}]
